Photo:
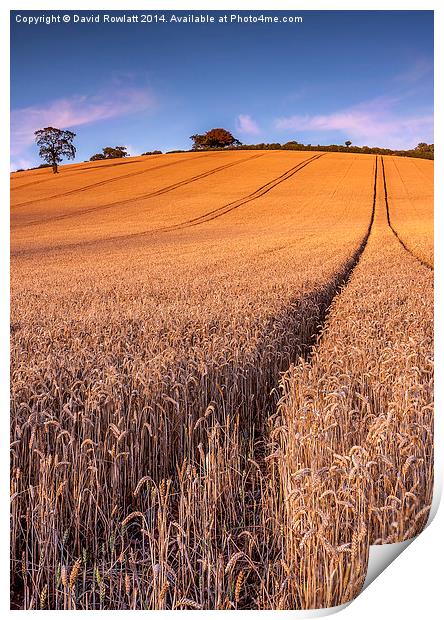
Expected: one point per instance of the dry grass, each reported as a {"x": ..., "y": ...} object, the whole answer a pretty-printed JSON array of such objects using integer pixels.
[{"x": 151, "y": 467}]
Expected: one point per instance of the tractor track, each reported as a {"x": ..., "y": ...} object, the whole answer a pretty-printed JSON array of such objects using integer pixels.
[
  {"x": 159, "y": 192},
  {"x": 70, "y": 173},
  {"x": 267, "y": 399},
  {"x": 101, "y": 183},
  {"x": 220, "y": 211},
  {"x": 394, "y": 231},
  {"x": 261, "y": 191},
  {"x": 202, "y": 219}
]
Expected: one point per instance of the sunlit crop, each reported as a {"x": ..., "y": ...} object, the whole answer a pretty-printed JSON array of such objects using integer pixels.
[{"x": 221, "y": 380}]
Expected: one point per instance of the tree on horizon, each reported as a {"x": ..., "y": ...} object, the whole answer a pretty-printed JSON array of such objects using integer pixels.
[
  {"x": 214, "y": 138},
  {"x": 55, "y": 144},
  {"x": 109, "y": 152}
]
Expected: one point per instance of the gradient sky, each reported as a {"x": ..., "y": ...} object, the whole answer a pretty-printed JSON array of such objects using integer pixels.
[{"x": 366, "y": 76}]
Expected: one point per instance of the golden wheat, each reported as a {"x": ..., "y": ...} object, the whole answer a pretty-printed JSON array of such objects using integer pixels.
[
  {"x": 359, "y": 413},
  {"x": 154, "y": 308}
]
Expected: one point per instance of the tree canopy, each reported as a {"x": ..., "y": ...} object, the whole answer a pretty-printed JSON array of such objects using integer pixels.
[
  {"x": 54, "y": 145},
  {"x": 423, "y": 147},
  {"x": 214, "y": 138},
  {"x": 110, "y": 152}
]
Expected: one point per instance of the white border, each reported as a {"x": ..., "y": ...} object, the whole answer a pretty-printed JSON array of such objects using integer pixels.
[{"x": 411, "y": 586}]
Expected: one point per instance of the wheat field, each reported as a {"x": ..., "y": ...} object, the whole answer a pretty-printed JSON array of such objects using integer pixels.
[{"x": 221, "y": 377}]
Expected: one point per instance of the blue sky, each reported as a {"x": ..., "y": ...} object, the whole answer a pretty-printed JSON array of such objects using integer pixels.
[{"x": 366, "y": 76}]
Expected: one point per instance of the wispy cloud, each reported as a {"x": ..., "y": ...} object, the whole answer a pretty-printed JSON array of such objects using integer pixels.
[
  {"x": 418, "y": 70},
  {"x": 73, "y": 112},
  {"x": 372, "y": 123},
  {"x": 246, "y": 125},
  {"x": 20, "y": 163}
]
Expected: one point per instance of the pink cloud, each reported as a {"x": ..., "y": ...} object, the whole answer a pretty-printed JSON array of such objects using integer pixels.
[
  {"x": 245, "y": 124},
  {"x": 373, "y": 123},
  {"x": 72, "y": 112}
]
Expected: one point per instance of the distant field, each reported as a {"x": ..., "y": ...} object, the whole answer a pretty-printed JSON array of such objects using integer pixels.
[{"x": 221, "y": 376}]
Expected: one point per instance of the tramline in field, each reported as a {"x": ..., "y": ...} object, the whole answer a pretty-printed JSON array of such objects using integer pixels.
[{"x": 221, "y": 370}]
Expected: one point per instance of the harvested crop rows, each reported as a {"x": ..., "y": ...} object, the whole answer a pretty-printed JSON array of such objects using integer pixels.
[{"x": 160, "y": 458}]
